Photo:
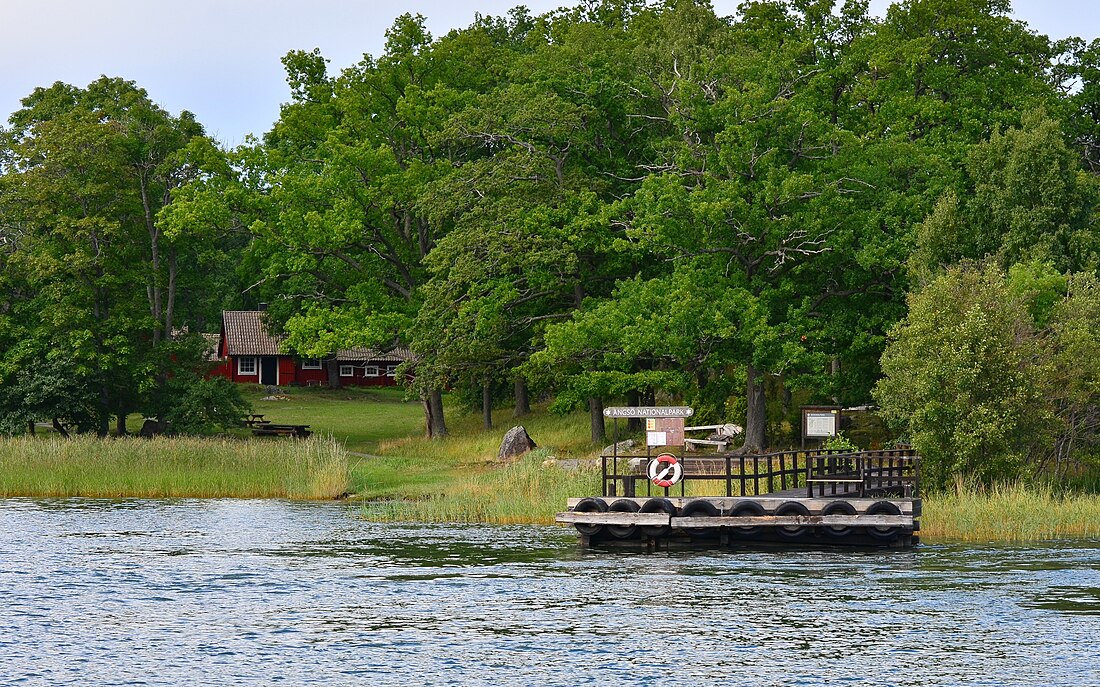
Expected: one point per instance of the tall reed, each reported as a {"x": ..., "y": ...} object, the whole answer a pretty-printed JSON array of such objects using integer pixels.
[
  {"x": 529, "y": 490},
  {"x": 1014, "y": 512},
  {"x": 314, "y": 468}
]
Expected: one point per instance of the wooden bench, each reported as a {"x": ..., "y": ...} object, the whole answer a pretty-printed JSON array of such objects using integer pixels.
[{"x": 693, "y": 444}]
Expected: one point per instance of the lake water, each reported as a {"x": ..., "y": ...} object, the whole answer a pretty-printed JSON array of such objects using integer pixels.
[{"x": 263, "y": 592}]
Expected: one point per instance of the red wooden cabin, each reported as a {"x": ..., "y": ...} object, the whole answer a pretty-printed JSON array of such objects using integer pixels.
[{"x": 249, "y": 354}]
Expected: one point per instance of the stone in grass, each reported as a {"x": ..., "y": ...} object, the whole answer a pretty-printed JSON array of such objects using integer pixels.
[
  {"x": 620, "y": 448},
  {"x": 516, "y": 442}
]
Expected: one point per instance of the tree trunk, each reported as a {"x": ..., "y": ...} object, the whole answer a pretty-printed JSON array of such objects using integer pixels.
[
  {"x": 834, "y": 369},
  {"x": 523, "y": 403},
  {"x": 426, "y": 403},
  {"x": 487, "y": 404},
  {"x": 333, "y": 368},
  {"x": 755, "y": 418},
  {"x": 595, "y": 414},
  {"x": 104, "y": 429},
  {"x": 438, "y": 424},
  {"x": 634, "y": 399},
  {"x": 120, "y": 423},
  {"x": 170, "y": 309},
  {"x": 31, "y": 428}
]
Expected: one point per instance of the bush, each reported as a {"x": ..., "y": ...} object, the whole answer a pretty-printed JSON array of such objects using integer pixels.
[
  {"x": 203, "y": 406},
  {"x": 993, "y": 375}
]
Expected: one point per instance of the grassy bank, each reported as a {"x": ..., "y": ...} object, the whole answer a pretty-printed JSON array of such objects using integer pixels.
[
  {"x": 379, "y": 455},
  {"x": 178, "y": 467},
  {"x": 1009, "y": 513},
  {"x": 459, "y": 479}
]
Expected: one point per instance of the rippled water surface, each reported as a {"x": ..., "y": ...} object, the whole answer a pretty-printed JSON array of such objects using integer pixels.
[{"x": 262, "y": 592}]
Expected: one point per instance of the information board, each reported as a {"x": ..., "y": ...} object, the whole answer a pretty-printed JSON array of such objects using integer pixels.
[
  {"x": 664, "y": 431},
  {"x": 819, "y": 422}
]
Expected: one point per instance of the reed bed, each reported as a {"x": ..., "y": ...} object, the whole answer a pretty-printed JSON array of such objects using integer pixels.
[
  {"x": 529, "y": 490},
  {"x": 314, "y": 468},
  {"x": 1015, "y": 512}
]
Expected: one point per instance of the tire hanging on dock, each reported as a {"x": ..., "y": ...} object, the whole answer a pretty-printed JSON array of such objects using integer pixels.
[
  {"x": 883, "y": 508},
  {"x": 704, "y": 508},
  {"x": 747, "y": 509},
  {"x": 623, "y": 531},
  {"x": 590, "y": 505},
  {"x": 792, "y": 508},
  {"x": 838, "y": 508},
  {"x": 658, "y": 505}
]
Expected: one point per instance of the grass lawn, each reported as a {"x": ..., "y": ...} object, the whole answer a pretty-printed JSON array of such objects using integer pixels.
[{"x": 359, "y": 417}]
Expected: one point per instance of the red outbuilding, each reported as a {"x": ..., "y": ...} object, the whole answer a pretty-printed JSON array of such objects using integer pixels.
[{"x": 249, "y": 354}]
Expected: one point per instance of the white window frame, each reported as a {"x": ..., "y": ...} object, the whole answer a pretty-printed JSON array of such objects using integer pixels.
[
  {"x": 255, "y": 366},
  {"x": 347, "y": 370},
  {"x": 391, "y": 370},
  {"x": 371, "y": 371},
  {"x": 311, "y": 363}
]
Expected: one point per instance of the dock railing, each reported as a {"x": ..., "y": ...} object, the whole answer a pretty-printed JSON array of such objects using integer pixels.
[
  {"x": 818, "y": 472},
  {"x": 871, "y": 473}
]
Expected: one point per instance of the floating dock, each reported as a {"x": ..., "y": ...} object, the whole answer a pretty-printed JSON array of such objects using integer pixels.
[{"x": 791, "y": 498}]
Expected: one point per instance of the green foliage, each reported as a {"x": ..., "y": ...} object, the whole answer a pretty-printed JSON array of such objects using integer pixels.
[
  {"x": 840, "y": 442},
  {"x": 52, "y": 390},
  {"x": 203, "y": 406},
  {"x": 987, "y": 374}
]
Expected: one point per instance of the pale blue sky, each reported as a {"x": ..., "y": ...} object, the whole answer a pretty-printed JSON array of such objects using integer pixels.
[{"x": 220, "y": 58}]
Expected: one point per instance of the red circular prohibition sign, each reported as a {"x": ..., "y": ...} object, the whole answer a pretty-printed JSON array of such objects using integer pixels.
[{"x": 665, "y": 470}]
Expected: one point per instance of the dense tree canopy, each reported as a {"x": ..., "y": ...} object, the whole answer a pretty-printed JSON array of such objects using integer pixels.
[{"x": 621, "y": 202}]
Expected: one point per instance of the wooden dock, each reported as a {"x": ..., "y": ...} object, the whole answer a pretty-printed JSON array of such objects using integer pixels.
[{"x": 867, "y": 498}]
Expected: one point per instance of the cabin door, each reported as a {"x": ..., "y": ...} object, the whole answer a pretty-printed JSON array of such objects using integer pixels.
[{"x": 269, "y": 371}]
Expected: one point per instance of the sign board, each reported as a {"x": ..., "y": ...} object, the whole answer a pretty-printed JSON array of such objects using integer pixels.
[
  {"x": 664, "y": 431},
  {"x": 820, "y": 422},
  {"x": 648, "y": 411}
]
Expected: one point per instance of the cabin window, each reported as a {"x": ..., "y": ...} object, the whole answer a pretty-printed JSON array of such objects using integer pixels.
[
  {"x": 391, "y": 370},
  {"x": 311, "y": 364},
  {"x": 371, "y": 370},
  {"x": 347, "y": 370},
  {"x": 246, "y": 366}
]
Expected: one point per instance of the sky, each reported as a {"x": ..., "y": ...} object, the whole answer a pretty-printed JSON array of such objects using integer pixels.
[{"x": 220, "y": 58}]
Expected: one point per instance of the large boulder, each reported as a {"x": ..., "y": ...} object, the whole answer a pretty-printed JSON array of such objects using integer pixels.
[
  {"x": 516, "y": 443},
  {"x": 621, "y": 447}
]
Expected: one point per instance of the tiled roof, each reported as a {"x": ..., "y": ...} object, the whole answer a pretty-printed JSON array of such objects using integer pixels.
[
  {"x": 245, "y": 334},
  {"x": 397, "y": 355}
]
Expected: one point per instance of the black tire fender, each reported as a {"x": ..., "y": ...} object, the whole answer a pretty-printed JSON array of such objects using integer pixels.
[
  {"x": 792, "y": 508},
  {"x": 883, "y": 508},
  {"x": 700, "y": 507},
  {"x": 623, "y": 531},
  {"x": 590, "y": 505},
  {"x": 838, "y": 508},
  {"x": 657, "y": 505},
  {"x": 747, "y": 509}
]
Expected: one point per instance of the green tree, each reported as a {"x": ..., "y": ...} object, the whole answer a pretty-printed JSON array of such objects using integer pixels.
[{"x": 86, "y": 171}]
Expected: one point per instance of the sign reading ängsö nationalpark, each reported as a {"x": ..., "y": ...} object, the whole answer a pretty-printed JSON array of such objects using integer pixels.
[{"x": 648, "y": 411}]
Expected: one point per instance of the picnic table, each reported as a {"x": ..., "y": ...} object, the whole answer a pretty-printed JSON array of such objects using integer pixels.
[{"x": 270, "y": 429}]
